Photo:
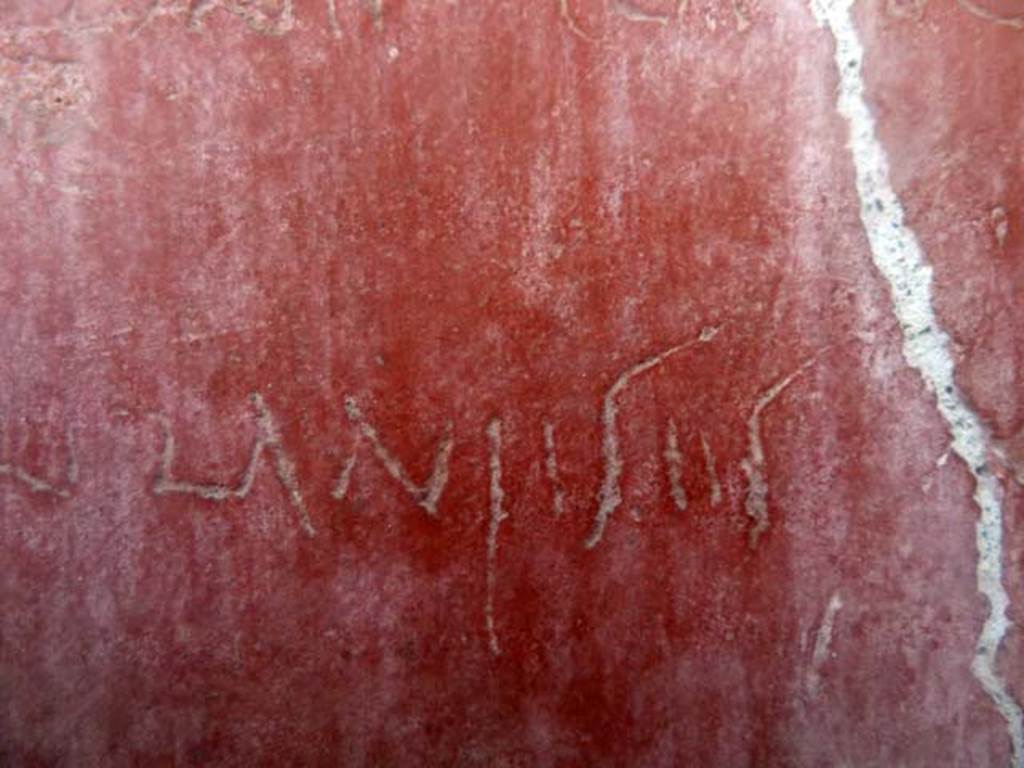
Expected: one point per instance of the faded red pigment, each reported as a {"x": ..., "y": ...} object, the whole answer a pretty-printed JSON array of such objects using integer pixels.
[{"x": 498, "y": 383}]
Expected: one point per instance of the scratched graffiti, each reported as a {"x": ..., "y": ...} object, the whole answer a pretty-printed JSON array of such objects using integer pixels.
[
  {"x": 37, "y": 483},
  {"x": 268, "y": 450},
  {"x": 271, "y": 460},
  {"x": 268, "y": 441}
]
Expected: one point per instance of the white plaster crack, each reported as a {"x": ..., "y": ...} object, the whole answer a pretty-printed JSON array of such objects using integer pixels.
[{"x": 926, "y": 346}]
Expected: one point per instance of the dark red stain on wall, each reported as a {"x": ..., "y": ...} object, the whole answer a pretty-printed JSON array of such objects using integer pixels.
[{"x": 223, "y": 221}]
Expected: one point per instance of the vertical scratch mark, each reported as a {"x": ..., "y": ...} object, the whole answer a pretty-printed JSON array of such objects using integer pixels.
[
  {"x": 284, "y": 467},
  {"x": 822, "y": 643},
  {"x": 1000, "y": 224},
  {"x": 332, "y": 19},
  {"x": 926, "y": 347},
  {"x": 426, "y": 495},
  {"x": 674, "y": 465},
  {"x": 268, "y": 438},
  {"x": 609, "y": 497},
  {"x": 498, "y": 514},
  {"x": 756, "y": 504},
  {"x": 709, "y": 465},
  {"x": 72, "y": 475},
  {"x": 551, "y": 469}
]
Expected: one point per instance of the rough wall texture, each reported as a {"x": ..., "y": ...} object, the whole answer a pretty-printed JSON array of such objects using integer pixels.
[{"x": 511, "y": 383}]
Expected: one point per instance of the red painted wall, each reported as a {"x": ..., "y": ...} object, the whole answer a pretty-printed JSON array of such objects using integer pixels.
[{"x": 501, "y": 383}]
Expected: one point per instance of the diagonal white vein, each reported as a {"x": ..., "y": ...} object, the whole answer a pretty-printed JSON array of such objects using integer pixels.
[{"x": 926, "y": 346}]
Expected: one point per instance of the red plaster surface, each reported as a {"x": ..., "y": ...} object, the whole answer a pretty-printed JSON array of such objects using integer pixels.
[{"x": 486, "y": 213}]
